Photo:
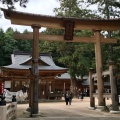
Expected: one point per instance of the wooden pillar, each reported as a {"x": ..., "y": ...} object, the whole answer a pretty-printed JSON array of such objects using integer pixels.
[
  {"x": 20, "y": 85},
  {"x": 64, "y": 86},
  {"x": 12, "y": 86},
  {"x": 30, "y": 94},
  {"x": 113, "y": 84},
  {"x": 11, "y": 89},
  {"x": 92, "y": 88},
  {"x": 98, "y": 59},
  {"x": 53, "y": 83},
  {"x": 35, "y": 70}
]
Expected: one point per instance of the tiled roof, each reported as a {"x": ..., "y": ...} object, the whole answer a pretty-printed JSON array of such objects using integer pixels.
[
  {"x": 18, "y": 58},
  {"x": 67, "y": 76}
]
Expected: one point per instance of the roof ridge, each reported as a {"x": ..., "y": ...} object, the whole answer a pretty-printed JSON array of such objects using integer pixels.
[{"x": 17, "y": 52}]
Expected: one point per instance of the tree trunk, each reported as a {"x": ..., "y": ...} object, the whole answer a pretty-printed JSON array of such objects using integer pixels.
[{"x": 73, "y": 87}]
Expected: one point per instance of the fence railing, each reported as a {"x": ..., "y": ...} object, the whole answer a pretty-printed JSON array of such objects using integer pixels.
[
  {"x": 8, "y": 111},
  {"x": 111, "y": 73}
]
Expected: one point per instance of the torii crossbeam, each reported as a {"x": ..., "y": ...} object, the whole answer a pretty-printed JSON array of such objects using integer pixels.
[{"x": 60, "y": 38}]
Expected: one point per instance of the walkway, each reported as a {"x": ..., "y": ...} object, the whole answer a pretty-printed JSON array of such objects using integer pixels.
[{"x": 59, "y": 111}]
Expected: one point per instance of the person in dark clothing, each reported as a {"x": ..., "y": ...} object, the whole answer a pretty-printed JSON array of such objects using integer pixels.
[
  {"x": 66, "y": 95},
  {"x": 81, "y": 95},
  {"x": 70, "y": 97}
]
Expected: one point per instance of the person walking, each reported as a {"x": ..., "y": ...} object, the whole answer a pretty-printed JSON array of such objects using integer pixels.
[
  {"x": 81, "y": 95},
  {"x": 70, "y": 97},
  {"x": 66, "y": 95}
]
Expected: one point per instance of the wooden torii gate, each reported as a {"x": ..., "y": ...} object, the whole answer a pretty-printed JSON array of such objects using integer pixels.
[{"x": 69, "y": 25}]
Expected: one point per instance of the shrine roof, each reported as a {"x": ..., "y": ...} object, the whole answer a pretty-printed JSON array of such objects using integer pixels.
[
  {"x": 67, "y": 76},
  {"x": 63, "y": 76},
  {"x": 23, "y": 60}
]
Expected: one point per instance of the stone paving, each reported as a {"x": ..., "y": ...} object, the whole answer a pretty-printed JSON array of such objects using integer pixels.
[{"x": 59, "y": 111}]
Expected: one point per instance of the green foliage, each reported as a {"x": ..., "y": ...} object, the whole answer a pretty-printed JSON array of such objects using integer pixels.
[
  {"x": 10, "y": 3},
  {"x": 68, "y": 8},
  {"x": 2, "y": 62},
  {"x": 7, "y": 46},
  {"x": 73, "y": 8},
  {"x": 24, "y": 45},
  {"x": 116, "y": 50},
  {"x": 107, "y": 8},
  {"x": 78, "y": 57}
]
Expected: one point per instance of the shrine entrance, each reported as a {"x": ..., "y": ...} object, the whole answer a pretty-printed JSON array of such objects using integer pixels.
[{"x": 69, "y": 25}]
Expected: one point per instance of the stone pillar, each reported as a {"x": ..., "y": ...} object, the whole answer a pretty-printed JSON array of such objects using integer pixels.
[
  {"x": 113, "y": 84},
  {"x": 98, "y": 59},
  {"x": 30, "y": 94},
  {"x": 3, "y": 110},
  {"x": 35, "y": 70},
  {"x": 14, "y": 102},
  {"x": 15, "y": 107},
  {"x": 92, "y": 88}
]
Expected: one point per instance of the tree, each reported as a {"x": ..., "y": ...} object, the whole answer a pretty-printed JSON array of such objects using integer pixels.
[
  {"x": 108, "y": 9},
  {"x": 8, "y": 45},
  {"x": 10, "y": 3},
  {"x": 71, "y": 55},
  {"x": 73, "y": 8},
  {"x": 24, "y": 45},
  {"x": 2, "y": 34},
  {"x": 116, "y": 49}
]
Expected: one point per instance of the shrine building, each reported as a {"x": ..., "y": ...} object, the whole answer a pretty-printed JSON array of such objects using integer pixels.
[
  {"x": 54, "y": 81},
  {"x": 18, "y": 74}
]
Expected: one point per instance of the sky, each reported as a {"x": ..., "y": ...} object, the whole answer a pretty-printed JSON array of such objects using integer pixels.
[{"x": 44, "y": 7}]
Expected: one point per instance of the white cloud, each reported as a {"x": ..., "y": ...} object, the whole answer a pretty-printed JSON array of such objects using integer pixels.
[{"x": 44, "y": 7}]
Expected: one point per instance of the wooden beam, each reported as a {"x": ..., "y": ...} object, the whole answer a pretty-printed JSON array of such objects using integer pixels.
[
  {"x": 60, "y": 38},
  {"x": 103, "y": 73},
  {"x": 27, "y": 19},
  {"x": 95, "y": 94},
  {"x": 105, "y": 95},
  {"x": 21, "y": 78},
  {"x": 106, "y": 72}
]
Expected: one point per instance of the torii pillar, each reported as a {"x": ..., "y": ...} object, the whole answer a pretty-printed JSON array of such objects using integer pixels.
[
  {"x": 113, "y": 84},
  {"x": 92, "y": 89},
  {"x": 35, "y": 70},
  {"x": 100, "y": 84}
]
